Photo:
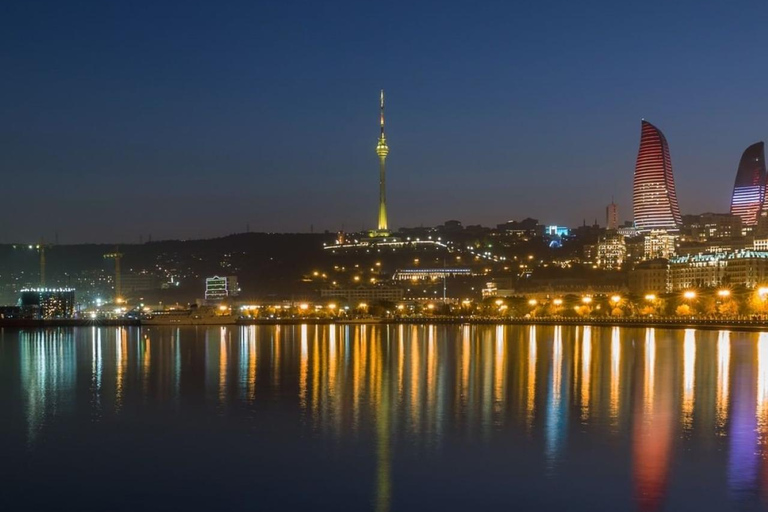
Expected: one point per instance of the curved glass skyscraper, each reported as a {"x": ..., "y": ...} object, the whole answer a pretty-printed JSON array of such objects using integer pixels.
[
  {"x": 749, "y": 188},
  {"x": 654, "y": 199}
]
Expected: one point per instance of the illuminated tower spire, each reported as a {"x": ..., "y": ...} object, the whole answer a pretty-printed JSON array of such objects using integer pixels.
[{"x": 382, "y": 150}]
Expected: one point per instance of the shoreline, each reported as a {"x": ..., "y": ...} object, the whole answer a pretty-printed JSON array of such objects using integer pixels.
[{"x": 662, "y": 323}]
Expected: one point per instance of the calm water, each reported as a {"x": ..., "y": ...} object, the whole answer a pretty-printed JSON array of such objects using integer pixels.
[{"x": 383, "y": 418}]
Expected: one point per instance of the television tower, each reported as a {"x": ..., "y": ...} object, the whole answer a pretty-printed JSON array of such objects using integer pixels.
[{"x": 382, "y": 150}]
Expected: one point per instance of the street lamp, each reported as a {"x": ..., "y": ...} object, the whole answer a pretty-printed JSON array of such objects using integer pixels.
[
  {"x": 586, "y": 300},
  {"x": 557, "y": 302},
  {"x": 724, "y": 293},
  {"x": 690, "y": 294},
  {"x": 650, "y": 297},
  {"x": 616, "y": 299}
]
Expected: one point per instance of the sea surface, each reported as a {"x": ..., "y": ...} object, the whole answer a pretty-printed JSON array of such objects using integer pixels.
[{"x": 383, "y": 418}]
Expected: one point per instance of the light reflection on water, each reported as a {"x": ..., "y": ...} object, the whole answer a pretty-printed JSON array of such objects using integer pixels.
[{"x": 563, "y": 398}]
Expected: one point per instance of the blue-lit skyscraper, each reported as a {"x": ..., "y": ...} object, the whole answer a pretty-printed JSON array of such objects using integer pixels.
[{"x": 749, "y": 188}]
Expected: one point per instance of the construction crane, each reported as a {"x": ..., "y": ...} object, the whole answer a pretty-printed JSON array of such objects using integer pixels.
[
  {"x": 117, "y": 256},
  {"x": 41, "y": 247}
]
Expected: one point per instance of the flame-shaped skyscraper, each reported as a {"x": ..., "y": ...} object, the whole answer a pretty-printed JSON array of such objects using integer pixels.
[
  {"x": 382, "y": 150},
  {"x": 653, "y": 193},
  {"x": 749, "y": 189}
]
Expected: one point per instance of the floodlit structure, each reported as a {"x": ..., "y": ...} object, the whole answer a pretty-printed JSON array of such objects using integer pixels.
[
  {"x": 748, "y": 268},
  {"x": 219, "y": 288},
  {"x": 419, "y": 274},
  {"x": 653, "y": 192},
  {"x": 382, "y": 150},
  {"x": 659, "y": 244},
  {"x": 47, "y": 303},
  {"x": 611, "y": 252},
  {"x": 749, "y": 187}
]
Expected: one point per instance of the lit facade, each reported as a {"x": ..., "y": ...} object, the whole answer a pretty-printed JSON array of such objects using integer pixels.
[
  {"x": 711, "y": 226},
  {"x": 420, "y": 274},
  {"x": 696, "y": 271},
  {"x": 47, "y": 303},
  {"x": 659, "y": 244},
  {"x": 706, "y": 270},
  {"x": 389, "y": 293},
  {"x": 219, "y": 288},
  {"x": 611, "y": 252},
  {"x": 749, "y": 187},
  {"x": 654, "y": 199},
  {"x": 747, "y": 267}
]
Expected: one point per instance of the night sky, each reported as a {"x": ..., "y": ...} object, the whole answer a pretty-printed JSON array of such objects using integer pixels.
[{"x": 193, "y": 119}]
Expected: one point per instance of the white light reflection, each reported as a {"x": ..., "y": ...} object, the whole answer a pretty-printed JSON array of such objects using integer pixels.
[{"x": 689, "y": 376}]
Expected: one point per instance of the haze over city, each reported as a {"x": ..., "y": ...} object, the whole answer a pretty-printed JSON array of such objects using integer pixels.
[{"x": 188, "y": 120}]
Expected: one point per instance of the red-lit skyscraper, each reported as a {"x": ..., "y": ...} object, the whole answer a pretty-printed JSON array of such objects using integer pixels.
[
  {"x": 654, "y": 199},
  {"x": 749, "y": 188}
]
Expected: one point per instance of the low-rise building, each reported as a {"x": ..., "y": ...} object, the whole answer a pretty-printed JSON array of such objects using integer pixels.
[
  {"x": 220, "y": 288},
  {"x": 707, "y": 270},
  {"x": 418, "y": 274},
  {"x": 611, "y": 252},
  {"x": 697, "y": 271},
  {"x": 650, "y": 276},
  {"x": 364, "y": 293},
  {"x": 659, "y": 244}
]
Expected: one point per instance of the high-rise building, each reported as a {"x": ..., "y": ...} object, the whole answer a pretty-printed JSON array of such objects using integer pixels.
[
  {"x": 47, "y": 303},
  {"x": 382, "y": 150},
  {"x": 654, "y": 199},
  {"x": 749, "y": 187},
  {"x": 612, "y": 216}
]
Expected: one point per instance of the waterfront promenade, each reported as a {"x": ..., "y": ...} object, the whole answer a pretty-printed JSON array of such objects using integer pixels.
[{"x": 740, "y": 323}]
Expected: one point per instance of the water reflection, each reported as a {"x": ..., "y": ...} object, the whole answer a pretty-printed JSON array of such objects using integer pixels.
[
  {"x": 655, "y": 397},
  {"x": 48, "y": 368}
]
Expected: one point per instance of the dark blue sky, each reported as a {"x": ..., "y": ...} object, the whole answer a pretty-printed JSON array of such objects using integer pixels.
[{"x": 189, "y": 119}]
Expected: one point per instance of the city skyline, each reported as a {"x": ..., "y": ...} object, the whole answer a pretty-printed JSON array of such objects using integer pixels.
[{"x": 274, "y": 125}]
